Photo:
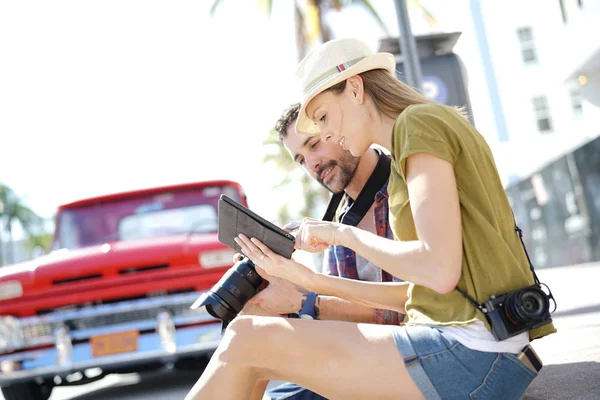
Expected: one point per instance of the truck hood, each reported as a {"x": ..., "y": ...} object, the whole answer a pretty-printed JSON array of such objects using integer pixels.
[{"x": 119, "y": 263}]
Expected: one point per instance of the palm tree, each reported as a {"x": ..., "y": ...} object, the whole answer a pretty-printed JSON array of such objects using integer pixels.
[
  {"x": 312, "y": 192},
  {"x": 312, "y": 29},
  {"x": 309, "y": 19},
  {"x": 13, "y": 209}
]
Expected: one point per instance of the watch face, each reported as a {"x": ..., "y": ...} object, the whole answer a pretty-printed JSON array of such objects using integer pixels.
[{"x": 306, "y": 316}]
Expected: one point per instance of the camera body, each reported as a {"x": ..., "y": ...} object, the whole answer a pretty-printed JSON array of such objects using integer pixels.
[
  {"x": 517, "y": 311},
  {"x": 228, "y": 296}
]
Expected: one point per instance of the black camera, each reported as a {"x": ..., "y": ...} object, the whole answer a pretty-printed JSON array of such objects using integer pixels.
[
  {"x": 517, "y": 311},
  {"x": 228, "y": 296}
]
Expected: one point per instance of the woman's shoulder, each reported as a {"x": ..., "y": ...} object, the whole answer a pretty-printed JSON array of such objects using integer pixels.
[
  {"x": 428, "y": 115},
  {"x": 428, "y": 110}
]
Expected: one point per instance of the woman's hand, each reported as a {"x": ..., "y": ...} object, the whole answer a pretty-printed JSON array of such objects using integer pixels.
[
  {"x": 315, "y": 235},
  {"x": 272, "y": 263}
]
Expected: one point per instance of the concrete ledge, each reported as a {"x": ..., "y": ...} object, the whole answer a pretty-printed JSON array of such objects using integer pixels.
[{"x": 579, "y": 381}]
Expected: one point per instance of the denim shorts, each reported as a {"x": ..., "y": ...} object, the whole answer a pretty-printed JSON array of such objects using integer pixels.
[{"x": 443, "y": 368}]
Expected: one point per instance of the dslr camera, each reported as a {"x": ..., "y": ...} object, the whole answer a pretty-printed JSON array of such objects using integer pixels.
[
  {"x": 517, "y": 311},
  {"x": 228, "y": 296}
]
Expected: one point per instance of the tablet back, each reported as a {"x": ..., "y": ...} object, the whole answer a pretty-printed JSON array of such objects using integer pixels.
[{"x": 235, "y": 219}]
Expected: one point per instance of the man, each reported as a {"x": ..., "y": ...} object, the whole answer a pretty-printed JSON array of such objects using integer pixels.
[{"x": 340, "y": 173}]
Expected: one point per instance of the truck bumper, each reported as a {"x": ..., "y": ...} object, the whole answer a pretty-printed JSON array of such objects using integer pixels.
[{"x": 165, "y": 339}]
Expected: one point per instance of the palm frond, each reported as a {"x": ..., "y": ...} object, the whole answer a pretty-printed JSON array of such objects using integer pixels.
[
  {"x": 369, "y": 7},
  {"x": 429, "y": 17},
  {"x": 214, "y": 6},
  {"x": 14, "y": 209},
  {"x": 267, "y": 4}
]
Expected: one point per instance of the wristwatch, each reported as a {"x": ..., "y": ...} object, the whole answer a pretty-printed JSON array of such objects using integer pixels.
[{"x": 309, "y": 311}]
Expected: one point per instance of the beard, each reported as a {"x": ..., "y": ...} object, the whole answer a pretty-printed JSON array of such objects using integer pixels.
[{"x": 347, "y": 168}]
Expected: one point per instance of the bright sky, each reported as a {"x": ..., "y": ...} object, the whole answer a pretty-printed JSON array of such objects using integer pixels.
[{"x": 103, "y": 96}]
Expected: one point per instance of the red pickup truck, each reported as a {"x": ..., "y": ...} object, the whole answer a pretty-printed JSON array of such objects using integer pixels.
[{"x": 114, "y": 294}]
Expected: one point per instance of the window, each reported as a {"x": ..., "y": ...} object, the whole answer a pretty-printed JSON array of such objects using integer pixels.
[
  {"x": 191, "y": 219},
  {"x": 169, "y": 212},
  {"x": 528, "y": 51},
  {"x": 542, "y": 113},
  {"x": 567, "y": 6},
  {"x": 576, "y": 105}
]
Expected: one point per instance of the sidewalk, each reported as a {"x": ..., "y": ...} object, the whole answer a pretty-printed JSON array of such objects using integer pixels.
[{"x": 572, "y": 355}]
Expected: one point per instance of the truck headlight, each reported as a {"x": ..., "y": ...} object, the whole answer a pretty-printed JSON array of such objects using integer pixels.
[
  {"x": 10, "y": 289},
  {"x": 10, "y": 333}
]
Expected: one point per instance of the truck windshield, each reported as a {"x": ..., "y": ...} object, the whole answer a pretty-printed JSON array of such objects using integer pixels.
[{"x": 129, "y": 218}]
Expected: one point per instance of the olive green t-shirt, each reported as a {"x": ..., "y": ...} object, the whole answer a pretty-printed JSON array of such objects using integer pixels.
[{"x": 493, "y": 260}]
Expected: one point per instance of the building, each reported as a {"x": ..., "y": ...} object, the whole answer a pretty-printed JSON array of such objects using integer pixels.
[
  {"x": 532, "y": 69},
  {"x": 540, "y": 63},
  {"x": 535, "y": 65}
]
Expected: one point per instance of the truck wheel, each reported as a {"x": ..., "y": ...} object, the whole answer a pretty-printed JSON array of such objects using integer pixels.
[{"x": 27, "y": 391}]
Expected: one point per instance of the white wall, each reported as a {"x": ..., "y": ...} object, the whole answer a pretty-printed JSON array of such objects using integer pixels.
[{"x": 557, "y": 45}]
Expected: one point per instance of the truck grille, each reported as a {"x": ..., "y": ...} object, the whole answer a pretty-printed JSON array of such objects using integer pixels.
[
  {"x": 125, "y": 317},
  {"x": 39, "y": 330},
  {"x": 124, "y": 271},
  {"x": 78, "y": 279}
]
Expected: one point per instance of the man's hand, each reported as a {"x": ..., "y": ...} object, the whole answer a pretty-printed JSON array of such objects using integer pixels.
[{"x": 279, "y": 297}]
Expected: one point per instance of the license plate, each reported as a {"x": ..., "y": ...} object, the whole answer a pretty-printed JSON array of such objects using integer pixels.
[{"x": 114, "y": 343}]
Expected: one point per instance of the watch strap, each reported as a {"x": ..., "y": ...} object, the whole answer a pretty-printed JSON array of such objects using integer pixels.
[{"x": 309, "y": 310}]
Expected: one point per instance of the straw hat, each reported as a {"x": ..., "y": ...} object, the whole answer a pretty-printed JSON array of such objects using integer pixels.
[{"x": 331, "y": 63}]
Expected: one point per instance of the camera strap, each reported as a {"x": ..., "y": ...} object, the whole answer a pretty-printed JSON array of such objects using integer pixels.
[
  {"x": 359, "y": 207},
  {"x": 535, "y": 278}
]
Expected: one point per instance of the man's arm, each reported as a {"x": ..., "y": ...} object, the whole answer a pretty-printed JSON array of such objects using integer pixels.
[
  {"x": 282, "y": 297},
  {"x": 334, "y": 308}
]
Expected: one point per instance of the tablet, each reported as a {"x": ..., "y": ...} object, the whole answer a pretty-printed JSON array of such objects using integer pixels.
[{"x": 234, "y": 219}]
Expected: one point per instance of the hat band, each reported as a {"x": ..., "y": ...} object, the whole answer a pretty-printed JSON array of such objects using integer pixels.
[{"x": 325, "y": 76}]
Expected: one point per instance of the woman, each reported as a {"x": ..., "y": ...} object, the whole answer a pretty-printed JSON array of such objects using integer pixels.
[{"x": 455, "y": 231}]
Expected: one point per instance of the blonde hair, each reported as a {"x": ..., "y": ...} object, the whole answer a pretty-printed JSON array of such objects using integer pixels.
[{"x": 390, "y": 95}]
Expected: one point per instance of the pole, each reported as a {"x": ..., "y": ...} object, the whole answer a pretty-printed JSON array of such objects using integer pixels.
[{"x": 408, "y": 47}]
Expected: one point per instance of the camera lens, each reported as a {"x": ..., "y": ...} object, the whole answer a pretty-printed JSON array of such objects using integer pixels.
[
  {"x": 526, "y": 305},
  {"x": 533, "y": 304},
  {"x": 228, "y": 296}
]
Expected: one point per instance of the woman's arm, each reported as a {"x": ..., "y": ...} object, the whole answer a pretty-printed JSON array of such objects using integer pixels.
[
  {"x": 434, "y": 260},
  {"x": 336, "y": 309},
  {"x": 366, "y": 295},
  {"x": 385, "y": 295}
]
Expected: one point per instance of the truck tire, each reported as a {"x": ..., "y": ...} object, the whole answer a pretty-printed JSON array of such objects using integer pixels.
[{"x": 27, "y": 391}]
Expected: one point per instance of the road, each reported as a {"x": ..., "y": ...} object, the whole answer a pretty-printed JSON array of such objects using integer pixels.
[
  {"x": 571, "y": 357},
  {"x": 156, "y": 385}
]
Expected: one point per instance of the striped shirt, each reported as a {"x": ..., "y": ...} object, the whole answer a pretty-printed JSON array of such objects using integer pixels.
[{"x": 341, "y": 261}]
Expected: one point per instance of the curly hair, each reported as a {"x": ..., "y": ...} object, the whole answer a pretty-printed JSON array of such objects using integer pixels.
[{"x": 288, "y": 117}]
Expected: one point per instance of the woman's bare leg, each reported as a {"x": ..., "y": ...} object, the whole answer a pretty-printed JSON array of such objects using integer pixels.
[
  {"x": 259, "y": 389},
  {"x": 339, "y": 360}
]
